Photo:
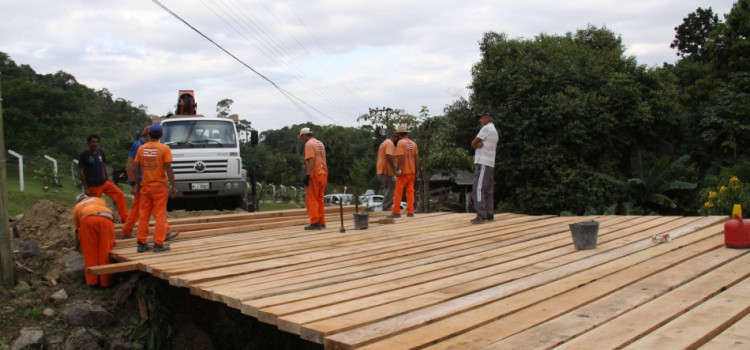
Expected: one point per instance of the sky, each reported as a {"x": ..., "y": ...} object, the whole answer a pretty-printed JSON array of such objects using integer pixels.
[{"x": 288, "y": 62}]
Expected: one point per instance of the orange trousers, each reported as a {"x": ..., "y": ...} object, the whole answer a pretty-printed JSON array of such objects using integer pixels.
[
  {"x": 97, "y": 237},
  {"x": 314, "y": 193},
  {"x": 133, "y": 216},
  {"x": 112, "y": 191},
  {"x": 404, "y": 181},
  {"x": 153, "y": 202}
]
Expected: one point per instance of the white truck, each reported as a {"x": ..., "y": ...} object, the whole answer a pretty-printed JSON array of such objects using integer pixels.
[{"x": 207, "y": 165}]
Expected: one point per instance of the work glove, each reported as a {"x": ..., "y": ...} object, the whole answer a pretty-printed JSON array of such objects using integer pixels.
[{"x": 307, "y": 180}]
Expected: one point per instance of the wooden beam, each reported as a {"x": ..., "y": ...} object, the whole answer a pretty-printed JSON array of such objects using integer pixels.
[{"x": 112, "y": 268}]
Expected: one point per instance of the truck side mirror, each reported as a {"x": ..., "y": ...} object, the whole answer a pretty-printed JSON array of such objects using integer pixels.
[{"x": 254, "y": 137}]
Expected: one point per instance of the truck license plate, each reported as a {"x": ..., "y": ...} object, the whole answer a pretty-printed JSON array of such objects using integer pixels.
[{"x": 200, "y": 186}]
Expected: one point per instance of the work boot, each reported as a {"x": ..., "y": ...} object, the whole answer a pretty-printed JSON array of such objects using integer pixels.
[
  {"x": 491, "y": 217},
  {"x": 127, "y": 237},
  {"x": 143, "y": 247},
  {"x": 315, "y": 226},
  {"x": 161, "y": 247},
  {"x": 323, "y": 225},
  {"x": 171, "y": 235},
  {"x": 478, "y": 220},
  {"x": 410, "y": 215},
  {"x": 394, "y": 216}
]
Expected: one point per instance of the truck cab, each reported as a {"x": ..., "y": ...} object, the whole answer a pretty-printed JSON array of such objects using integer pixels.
[{"x": 206, "y": 160}]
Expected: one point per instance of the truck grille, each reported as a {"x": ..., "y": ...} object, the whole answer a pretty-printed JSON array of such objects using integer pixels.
[{"x": 199, "y": 166}]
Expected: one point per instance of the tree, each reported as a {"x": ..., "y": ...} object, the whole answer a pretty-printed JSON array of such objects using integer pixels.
[
  {"x": 40, "y": 108},
  {"x": 649, "y": 188},
  {"x": 691, "y": 36},
  {"x": 725, "y": 124},
  {"x": 730, "y": 47},
  {"x": 438, "y": 154},
  {"x": 567, "y": 106},
  {"x": 224, "y": 107}
]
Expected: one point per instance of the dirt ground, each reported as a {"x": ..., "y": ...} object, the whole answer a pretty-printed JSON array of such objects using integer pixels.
[{"x": 40, "y": 276}]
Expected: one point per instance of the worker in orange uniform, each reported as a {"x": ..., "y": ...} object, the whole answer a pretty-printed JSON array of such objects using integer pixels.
[
  {"x": 155, "y": 161},
  {"x": 407, "y": 163},
  {"x": 92, "y": 169},
  {"x": 384, "y": 167},
  {"x": 95, "y": 235},
  {"x": 134, "y": 174},
  {"x": 316, "y": 178}
]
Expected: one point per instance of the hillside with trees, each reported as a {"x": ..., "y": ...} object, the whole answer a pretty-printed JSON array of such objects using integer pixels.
[{"x": 52, "y": 114}]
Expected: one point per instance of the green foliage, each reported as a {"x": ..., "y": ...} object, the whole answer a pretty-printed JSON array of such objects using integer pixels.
[
  {"x": 649, "y": 188},
  {"x": 155, "y": 331},
  {"x": 566, "y": 107},
  {"x": 725, "y": 124},
  {"x": 722, "y": 199},
  {"x": 224, "y": 107},
  {"x": 691, "y": 36},
  {"x": 44, "y": 173},
  {"x": 38, "y": 109},
  {"x": 729, "y": 46},
  {"x": 34, "y": 313}
]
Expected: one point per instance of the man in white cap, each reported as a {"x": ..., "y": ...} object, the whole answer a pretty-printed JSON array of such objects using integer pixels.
[
  {"x": 485, "y": 144},
  {"x": 407, "y": 163},
  {"x": 316, "y": 178}
]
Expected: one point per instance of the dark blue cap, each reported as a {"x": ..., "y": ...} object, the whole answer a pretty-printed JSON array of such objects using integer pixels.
[{"x": 155, "y": 130}]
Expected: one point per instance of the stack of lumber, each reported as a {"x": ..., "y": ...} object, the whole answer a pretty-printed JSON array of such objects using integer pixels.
[{"x": 435, "y": 281}]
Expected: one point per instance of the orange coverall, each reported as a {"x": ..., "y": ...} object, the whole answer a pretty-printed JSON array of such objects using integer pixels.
[
  {"x": 408, "y": 151},
  {"x": 315, "y": 150},
  {"x": 110, "y": 189},
  {"x": 151, "y": 158},
  {"x": 96, "y": 234}
]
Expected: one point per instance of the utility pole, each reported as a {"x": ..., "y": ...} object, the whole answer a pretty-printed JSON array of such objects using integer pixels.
[{"x": 6, "y": 259}]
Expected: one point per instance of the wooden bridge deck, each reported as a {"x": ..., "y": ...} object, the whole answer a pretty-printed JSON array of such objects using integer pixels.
[{"x": 435, "y": 281}]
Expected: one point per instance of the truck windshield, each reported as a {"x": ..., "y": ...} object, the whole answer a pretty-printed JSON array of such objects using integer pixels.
[{"x": 199, "y": 134}]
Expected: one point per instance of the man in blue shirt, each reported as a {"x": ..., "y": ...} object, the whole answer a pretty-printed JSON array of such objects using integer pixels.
[{"x": 133, "y": 175}]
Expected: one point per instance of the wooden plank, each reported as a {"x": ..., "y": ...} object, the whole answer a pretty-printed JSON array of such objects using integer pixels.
[
  {"x": 565, "y": 316},
  {"x": 628, "y": 327},
  {"x": 400, "y": 253},
  {"x": 735, "y": 337},
  {"x": 112, "y": 268},
  {"x": 587, "y": 267},
  {"x": 341, "y": 244},
  {"x": 328, "y": 295},
  {"x": 307, "y": 246},
  {"x": 524, "y": 252},
  {"x": 715, "y": 315},
  {"x": 525, "y": 263},
  {"x": 406, "y": 259}
]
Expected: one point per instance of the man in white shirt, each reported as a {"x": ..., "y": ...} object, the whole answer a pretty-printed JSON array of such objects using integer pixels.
[{"x": 485, "y": 145}]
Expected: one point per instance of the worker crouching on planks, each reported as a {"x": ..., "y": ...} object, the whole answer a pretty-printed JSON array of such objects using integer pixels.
[{"x": 95, "y": 235}]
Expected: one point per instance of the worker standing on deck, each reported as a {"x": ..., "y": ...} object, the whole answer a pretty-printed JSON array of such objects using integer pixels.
[
  {"x": 154, "y": 159},
  {"x": 92, "y": 169},
  {"x": 316, "y": 178},
  {"x": 406, "y": 165},
  {"x": 95, "y": 235},
  {"x": 485, "y": 144},
  {"x": 134, "y": 174},
  {"x": 384, "y": 167}
]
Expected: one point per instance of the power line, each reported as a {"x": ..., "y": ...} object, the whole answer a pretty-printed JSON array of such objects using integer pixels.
[
  {"x": 291, "y": 97},
  {"x": 246, "y": 20}
]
